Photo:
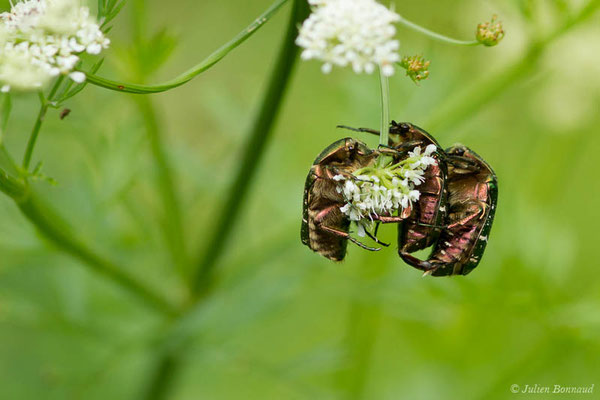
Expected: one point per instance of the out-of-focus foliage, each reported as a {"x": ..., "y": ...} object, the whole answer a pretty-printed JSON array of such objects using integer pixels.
[{"x": 284, "y": 323}]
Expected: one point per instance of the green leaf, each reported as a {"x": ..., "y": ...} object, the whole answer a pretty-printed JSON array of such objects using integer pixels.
[
  {"x": 155, "y": 52},
  {"x": 113, "y": 11}
]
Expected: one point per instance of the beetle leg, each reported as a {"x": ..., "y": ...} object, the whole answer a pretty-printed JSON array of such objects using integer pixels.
[
  {"x": 375, "y": 239},
  {"x": 477, "y": 214},
  {"x": 399, "y": 150},
  {"x": 319, "y": 223},
  {"x": 462, "y": 163},
  {"x": 389, "y": 220},
  {"x": 328, "y": 172},
  {"x": 346, "y": 235},
  {"x": 367, "y": 130},
  {"x": 376, "y": 228},
  {"x": 423, "y": 265}
]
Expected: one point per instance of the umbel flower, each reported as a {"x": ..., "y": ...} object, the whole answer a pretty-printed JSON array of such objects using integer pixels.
[
  {"x": 381, "y": 191},
  {"x": 40, "y": 39},
  {"x": 357, "y": 33}
]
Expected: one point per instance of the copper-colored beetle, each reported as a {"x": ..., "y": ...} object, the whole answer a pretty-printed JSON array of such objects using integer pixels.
[
  {"x": 324, "y": 227},
  {"x": 422, "y": 227},
  {"x": 472, "y": 200}
]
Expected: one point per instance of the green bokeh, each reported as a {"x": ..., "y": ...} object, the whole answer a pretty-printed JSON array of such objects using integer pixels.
[{"x": 284, "y": 323}]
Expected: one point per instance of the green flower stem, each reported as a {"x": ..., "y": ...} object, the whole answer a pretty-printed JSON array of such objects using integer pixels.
[
  {"x": 194, "y": 71},
  {"x": 385, "y": 109},
  {"x": 170, "y": 360},
  {"x": 34, "y": 135},
  {"x": 435, "y": 35},
  {"x": 5, "y": 109},
  {"x": 385, "y": 116},
  {"x": 173, "y": 221},
  {"x": 45, "y": 104},
  {"x": 255, "y": 148},
  {"x": 56, "y": 231}
]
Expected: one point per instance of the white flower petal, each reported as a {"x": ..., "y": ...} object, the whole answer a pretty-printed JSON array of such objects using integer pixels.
[
  {"x": 77, "y": 77},
  {"x": 360, "y": 230}
]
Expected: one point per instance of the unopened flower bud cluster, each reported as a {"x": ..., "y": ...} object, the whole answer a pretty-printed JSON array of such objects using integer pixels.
[
  {"x": 417, "y": 68},
  {"x": 40, "y": 39},
  {"x": 490, "y": 33},
  {"x": 373, "y": 191},
  {"x": 356, "y": 33}
]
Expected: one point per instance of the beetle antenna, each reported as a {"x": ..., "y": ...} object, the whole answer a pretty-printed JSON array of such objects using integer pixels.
[{"x": 366, "y": 130}]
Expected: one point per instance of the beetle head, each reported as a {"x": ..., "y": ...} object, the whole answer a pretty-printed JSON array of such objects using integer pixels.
[
  {"x": 463, "y": 160},
  {"x": 458, "y": 150},
  {"x": 402, "y": 129}
]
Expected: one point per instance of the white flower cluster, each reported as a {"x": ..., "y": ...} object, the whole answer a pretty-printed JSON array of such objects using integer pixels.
[
  {"x": 375, "y": 191},
  {"x": 40, "y": 39},
  {"x": 359, "y": 33}
]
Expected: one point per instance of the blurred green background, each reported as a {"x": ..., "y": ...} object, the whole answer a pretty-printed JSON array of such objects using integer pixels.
[{"x": 282, "y": 322}]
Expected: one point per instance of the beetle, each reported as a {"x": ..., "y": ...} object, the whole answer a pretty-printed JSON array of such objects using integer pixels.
[
  {"x": 472, "y": 201},
  {"x": 324, "y": 227},
  {"x": 422, "y": 229},
  {"x": 423, "y": 226}
]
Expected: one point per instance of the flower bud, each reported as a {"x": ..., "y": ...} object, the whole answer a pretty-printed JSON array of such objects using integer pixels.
[
  {"x": 417, "y": 68},
  {"x": 490, "y": 33}
]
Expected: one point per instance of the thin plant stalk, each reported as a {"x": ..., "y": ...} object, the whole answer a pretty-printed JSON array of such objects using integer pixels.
[
  {"x": 45, "y": 104},
  {"x": 436, "y": 36},
  {"x": 196, "y": 70},
  {"x": 259, "y": 135},
  {"x": 57, "y": 232},
  {"x": 34, "y": 135},
  {"x": 172, "y": 218},
  {"x": 385, "y": 109},
  {"x": 385, "y": 116},
  {"x": 170, "y": 361}
]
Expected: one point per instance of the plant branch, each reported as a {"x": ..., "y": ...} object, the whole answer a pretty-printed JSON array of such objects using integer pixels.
[
  {"x": 45, "y": 104},
  {"x": 385, "y": 109},
  {"x": 170, "y": 361},
  {"x": 34, "y": 135},
  {"x": 259, "y": 135},
  {"x": 435, "y": 35},
  {"x": 173, "y": 221},
  {"x": 55, "y": 230},
  {"x": 197, "y": 69}
]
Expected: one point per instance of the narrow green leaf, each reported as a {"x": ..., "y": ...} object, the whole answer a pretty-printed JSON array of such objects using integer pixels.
[
  {"x": 114, "y": 11},
  {"x": 100, "y": 8}
]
